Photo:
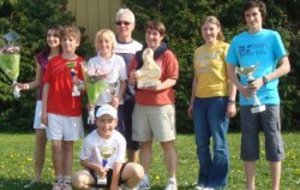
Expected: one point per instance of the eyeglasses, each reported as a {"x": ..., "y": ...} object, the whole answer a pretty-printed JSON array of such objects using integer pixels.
[{"x": 119, "y": 23}]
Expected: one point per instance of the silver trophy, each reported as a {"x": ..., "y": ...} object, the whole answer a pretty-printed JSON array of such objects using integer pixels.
[
  {"x": 248, "y": 72},
  {"x": 111, "y": 87}
]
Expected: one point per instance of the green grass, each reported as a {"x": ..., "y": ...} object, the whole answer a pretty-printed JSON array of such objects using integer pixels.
[{"x": 16, "y": 164}]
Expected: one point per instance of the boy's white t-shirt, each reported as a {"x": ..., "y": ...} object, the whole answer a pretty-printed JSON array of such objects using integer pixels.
[
  {"x": 116, "y": 68},
  {"x": 93, "y": 144}
]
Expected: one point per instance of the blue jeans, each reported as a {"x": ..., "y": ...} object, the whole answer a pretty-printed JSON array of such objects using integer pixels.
[{"x": 210, "y": 121}]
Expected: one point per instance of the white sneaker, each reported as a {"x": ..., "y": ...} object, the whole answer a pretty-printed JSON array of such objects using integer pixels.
[
  {"x": 125, "y": 187},
  {"x": 172, "y": 185},
  {"x": 198, "y": 187},
  {"x": 145, "y": 183}
]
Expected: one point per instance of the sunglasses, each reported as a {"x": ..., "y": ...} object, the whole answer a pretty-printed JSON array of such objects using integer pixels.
[{"x": 119, "y": 23}]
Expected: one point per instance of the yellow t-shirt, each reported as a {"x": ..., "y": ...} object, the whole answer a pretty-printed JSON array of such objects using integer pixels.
[{"x": 210, "y": 70}]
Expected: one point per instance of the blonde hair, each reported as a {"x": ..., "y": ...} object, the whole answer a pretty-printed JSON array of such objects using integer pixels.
[
  {"x": 214, "y": 20},
  {"x": 106, "y": 34}
]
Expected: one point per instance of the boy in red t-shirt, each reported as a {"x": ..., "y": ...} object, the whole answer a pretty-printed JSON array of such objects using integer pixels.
[{"x": 62, "y": 110}]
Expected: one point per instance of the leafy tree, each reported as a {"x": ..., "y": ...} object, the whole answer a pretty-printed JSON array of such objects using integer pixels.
[
  {"x": 30, "y": 19},
  {"x": 182, "y": 20}
]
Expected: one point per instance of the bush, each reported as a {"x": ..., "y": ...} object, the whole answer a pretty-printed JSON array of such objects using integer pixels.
[{"x": 30, "y": 19}]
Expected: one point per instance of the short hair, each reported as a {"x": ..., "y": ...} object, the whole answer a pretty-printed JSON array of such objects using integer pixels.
[
  {"x": 105, "y": 33},
  {"x": 71, "y": 31},
  {"x": 213, "y": 20},
  {"x": 126, "y": 11},
  {"x": 256, "y": 3},
  {"x": 156, "y": 25}
]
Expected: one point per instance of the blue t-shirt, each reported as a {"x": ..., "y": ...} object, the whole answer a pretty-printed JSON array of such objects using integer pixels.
[{"x": 263, "y": 48}]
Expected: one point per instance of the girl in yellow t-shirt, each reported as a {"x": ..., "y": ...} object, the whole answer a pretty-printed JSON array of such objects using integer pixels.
[{"x": 212, "y": 103}]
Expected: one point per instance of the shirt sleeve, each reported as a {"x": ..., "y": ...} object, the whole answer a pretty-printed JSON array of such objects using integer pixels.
[
  {"x": 46, "y": 76},
  {"x": 232, "y": 56},
  {"x": 278, "y": 46},
  {"x": 172, "y": 65},
  {"x": 123, "y": 72}
]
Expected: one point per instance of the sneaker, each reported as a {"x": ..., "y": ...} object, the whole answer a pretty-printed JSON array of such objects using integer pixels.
[
  {"x": 125, "y": 187},
  {"x": 199, "y": 187},
  {"x": 56, "y": 186},
  {"x": 66, "y": 186},
  {"x": 31, "y": 184},
  {"x": 144, "y": 184},
  {"x": 172, "y": 185}
]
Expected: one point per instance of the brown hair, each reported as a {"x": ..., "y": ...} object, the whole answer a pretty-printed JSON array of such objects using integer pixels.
[
  {"x": 57, "y": 29},
  {"x": 156, "y": 25},
  {"x": 70, "y": 31},
  {"x": 213, "y": 20},
  {"x": 256, "y": 3}
]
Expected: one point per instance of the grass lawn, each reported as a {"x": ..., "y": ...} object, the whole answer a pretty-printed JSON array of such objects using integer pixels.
[{"x": 16, "y": 165}]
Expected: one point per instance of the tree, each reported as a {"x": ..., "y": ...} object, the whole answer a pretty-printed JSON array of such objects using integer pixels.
[{"x": 30, "y": 19}]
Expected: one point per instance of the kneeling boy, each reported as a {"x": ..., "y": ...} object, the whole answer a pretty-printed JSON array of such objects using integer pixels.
[{"x": 103, "y": 156}]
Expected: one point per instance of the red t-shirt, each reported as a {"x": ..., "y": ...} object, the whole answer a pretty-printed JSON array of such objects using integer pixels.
[
  {"x": 169, "y": 70},
  {"x": 58, "y": 75}
]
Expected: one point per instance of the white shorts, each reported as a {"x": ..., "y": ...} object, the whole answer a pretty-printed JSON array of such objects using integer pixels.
[
  {"x": 37, "y": 124},
  {"x": 66, "y": 128}
]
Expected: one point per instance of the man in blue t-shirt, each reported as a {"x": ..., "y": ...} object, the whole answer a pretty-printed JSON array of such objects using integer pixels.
[{"x": 263, "y": 48}]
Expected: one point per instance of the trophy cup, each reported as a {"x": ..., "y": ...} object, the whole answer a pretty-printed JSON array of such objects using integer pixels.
[
  {"x": 105, "y": 152},
  {"x": 247, "y": 72},
  {"x": 75, "y": 90},
  {"x": 148, "y": 75},
  {"x": 111, "y": 87}
]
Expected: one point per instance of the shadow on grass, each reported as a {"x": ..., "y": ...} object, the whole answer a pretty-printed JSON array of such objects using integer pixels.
[
  {"x": 15, "y": 184},
  {"x": 180, "y": 187}
]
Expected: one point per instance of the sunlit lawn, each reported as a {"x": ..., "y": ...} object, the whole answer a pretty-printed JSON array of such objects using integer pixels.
[{"x": 16, "y": 164}]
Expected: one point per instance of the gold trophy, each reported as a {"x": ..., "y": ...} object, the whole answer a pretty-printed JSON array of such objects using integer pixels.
[
  {"x": 148, "y": 75},
  {"x": 105, "y": 152},
  {"x": 248, "y": 72}
]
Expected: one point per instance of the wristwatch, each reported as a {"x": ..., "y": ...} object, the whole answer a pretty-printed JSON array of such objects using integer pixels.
[
  {"x": 265, "y": 80},
  {"x": 231, "y": 101}
]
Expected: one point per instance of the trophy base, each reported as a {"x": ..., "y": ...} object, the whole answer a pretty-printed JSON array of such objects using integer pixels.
[
  {"x": 258, "y": 109},
  {"x": 147, "y": 84},
  {"x": 74, "y": 94},
  {"x": 101, "y": 181}
]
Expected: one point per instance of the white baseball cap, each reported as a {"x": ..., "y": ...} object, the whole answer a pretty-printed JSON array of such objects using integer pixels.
[{"x": 107, "y": 109}]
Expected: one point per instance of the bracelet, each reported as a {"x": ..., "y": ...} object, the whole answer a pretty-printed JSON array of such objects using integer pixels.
[{"x": 231, "y": 101}]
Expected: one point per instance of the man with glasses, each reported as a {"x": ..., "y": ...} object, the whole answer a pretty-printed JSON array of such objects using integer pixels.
[{"x": 127, "y": 47}]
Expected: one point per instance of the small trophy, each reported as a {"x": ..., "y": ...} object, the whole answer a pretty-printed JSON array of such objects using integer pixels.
[
  {"x": 248, "y": 71},
  {"x": 105, "y": 152},
  {"x": 111, "y": 86},
  {"x": 75, "y": 90},
  {"x": 148, "y": 75}
]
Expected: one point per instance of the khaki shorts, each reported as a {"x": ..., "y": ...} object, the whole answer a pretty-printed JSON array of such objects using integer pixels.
[
  {"x": 65, "y": 128},
  {"x": 156, "y": 122}
]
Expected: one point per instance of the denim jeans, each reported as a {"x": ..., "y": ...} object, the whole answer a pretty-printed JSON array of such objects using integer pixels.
[{"x": 210, "y": 121}]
